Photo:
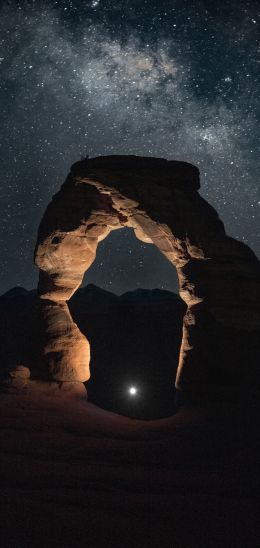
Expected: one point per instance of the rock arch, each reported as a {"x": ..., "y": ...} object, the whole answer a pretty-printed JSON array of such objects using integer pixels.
[{"x": 218, "y": 276}]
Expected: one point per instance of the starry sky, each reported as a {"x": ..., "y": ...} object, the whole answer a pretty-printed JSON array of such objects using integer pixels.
[{"x": 169, "y": 78}]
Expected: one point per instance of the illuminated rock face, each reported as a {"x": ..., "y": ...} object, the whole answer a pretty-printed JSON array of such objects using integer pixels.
[{"x": 218, "y": 276}]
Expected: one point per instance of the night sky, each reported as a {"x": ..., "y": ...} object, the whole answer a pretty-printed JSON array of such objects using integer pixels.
[{"x": 174, "y": 79}]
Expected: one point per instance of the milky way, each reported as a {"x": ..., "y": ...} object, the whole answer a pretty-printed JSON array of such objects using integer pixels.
[{"x": 173, "y": 79}]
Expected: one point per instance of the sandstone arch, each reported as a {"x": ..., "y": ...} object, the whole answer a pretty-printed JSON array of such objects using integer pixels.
[{"x": 218, "y": 276}]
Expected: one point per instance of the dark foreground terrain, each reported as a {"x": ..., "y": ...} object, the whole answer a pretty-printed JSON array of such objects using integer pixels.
[{"x": 73, "y": 475}]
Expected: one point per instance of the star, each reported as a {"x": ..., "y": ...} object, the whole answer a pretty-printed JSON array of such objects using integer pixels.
[
  {"x": 126, "y": 78},
  {"x": 132, "y": 391}
]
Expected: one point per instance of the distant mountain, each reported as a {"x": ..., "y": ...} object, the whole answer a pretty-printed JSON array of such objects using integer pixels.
[
  {"x": 135, "y": 339},
  {"x": 91, "y": 293},
  {"x": 17, "y": 297},
  {"x": 14, "y": 292},
  {"x": 148, "y": 295}
]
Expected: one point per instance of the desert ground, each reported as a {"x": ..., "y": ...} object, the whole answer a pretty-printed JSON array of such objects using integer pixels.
[{"x": 75, "y": 475}]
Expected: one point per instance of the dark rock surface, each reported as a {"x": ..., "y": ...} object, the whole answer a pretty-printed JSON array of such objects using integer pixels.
[{"x": 134, "y": 338}]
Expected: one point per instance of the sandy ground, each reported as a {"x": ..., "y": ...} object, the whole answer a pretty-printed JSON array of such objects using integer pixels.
[{"x": 74, "y": 475}]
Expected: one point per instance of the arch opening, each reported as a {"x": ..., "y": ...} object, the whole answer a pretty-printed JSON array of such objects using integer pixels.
[
  {"x": 123, "y": 263},
  {"x": 134, "y": 337}
]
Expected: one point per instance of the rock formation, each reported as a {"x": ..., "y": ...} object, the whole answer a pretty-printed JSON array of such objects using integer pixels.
[{"x": 218, "y": 276}]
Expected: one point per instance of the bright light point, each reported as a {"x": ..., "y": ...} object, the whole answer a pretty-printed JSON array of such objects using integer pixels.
[{"x": 132, "y": 390}]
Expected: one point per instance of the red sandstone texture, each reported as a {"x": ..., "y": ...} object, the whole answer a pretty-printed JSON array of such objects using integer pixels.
[{"x": 218, "y": 276}]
